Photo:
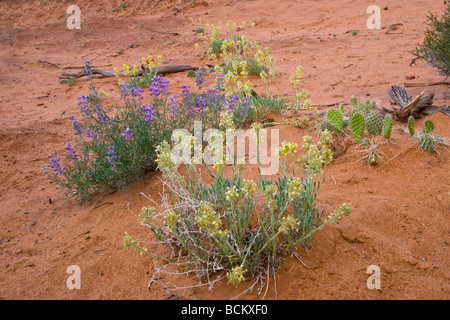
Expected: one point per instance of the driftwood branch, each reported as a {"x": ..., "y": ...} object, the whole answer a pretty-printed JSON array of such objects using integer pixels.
[
  {"x": 106, "y": 73},
  {"x": 423, "y": 84},
  {"x": 418, "y": 107}
]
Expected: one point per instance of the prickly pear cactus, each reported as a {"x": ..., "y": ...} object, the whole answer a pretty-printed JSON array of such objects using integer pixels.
[
  {"x": 374, "y": 123},
  {"x": 354, "y": 101},
  {"x": 387, "y": 126},
  {"x": 357, "y": 125},
  {"x": 426, "y": 142},
  {"x": 336, "y": 117},
  {"x": 428, "y": 127},
  {"x": 411, "y": 125},
  {"x": 341, "y": 108},
  {"x": 370, "y": 106}
]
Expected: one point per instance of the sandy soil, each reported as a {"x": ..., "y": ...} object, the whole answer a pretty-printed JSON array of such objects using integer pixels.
[{"x": 401, "y": 211}]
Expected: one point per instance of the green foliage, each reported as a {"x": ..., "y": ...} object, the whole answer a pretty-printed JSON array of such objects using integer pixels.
[
  {"x": 387, "y": 126},
  {"x": 435, "y": 48},
  {"x": 115, "y": 145},
  {"x": 253, "y": 67},
  {"x": 426, "y": 140},
  {"x": 259, "y": 109},
  {"x": 71, "y": 81},
  {"x": 374, "y": 123},
  {"x": 357, "y": 125},
  {"x": 199, "y": 30},
  {"x": 216, "y": 46},
  {"x": 237, "y": 227}
]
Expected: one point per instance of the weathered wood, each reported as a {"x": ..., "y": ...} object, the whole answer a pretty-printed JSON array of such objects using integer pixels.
[
  {"x": 106, "y": 73},
  {"x": 423, "y": 84},
  {"x": 418, "y": 107}
]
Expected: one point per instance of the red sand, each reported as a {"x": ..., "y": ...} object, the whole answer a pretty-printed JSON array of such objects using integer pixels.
[{"x": 400, "y": 220}]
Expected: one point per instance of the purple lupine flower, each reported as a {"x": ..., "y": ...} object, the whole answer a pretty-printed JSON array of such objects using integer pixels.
[
  {"x": 149, "y": 113},
  {"x": 127, "y": 134},
  {"x": 159, "y": 86},
  {"x": 232, "y": 101},
  {"x": 199, "y": 79},
  {"x": 71, "y": 154},
  {"x": 245, "y": 105},
  {"x": 202, "y": 103},
  {"x": 76, "y": 126},
  {"x": 91, "y": 133},
  {"x": 102, "y": 118},
  {"x": 84, "y": 105},
  {"x": 185, "y": 92},
  {"x": 191, "y": 112},
  {"x": 220, "y": 82},
  {"x": 173, "y": 106},
  {"x": 53, "y": 160},
  {"x": 112, "y": 156},
  {"x": 88, "y": 69},
  {"x": 211, "y": 96},
  {"x": 124, "y": 90},
  {"x": 135, "y": 94}
]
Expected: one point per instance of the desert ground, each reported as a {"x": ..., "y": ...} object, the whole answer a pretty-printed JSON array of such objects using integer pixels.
[{"x": 401, "y": 208}]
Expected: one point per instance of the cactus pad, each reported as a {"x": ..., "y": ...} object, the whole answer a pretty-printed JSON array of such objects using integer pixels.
[
  {"x": 357, "y": 124},
  {"x": 426, "y": 142},
  {"x": 428, "y": 127},
  {"x": 374, "y": 123},
  {"x": 411, "y": 125},
  {"x": 335, "y": 117},
  {"x": 387, "y": 127}
]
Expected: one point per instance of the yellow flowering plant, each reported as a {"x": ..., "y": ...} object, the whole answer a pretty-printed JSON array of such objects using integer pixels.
[{"x": 236, "y": 227}]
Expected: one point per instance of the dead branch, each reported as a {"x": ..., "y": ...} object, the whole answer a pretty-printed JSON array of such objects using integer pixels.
[
  {"x": 423, "y": 84},
  {"x": 418, "y": 107},
  {"x": 81, "y": 67},
  {"x": 413, "y": 61},
  {"x": 106, "y": 73}
]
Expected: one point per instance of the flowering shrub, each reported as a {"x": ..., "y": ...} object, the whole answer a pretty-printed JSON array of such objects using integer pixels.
[
  {"x": 236, "y": 227},
  {"x": 115, "y": 145}
]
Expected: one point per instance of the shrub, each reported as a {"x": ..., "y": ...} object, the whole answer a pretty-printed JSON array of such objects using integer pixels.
[
  {"x": 116, "y": 145},
  {"x": 425, "y": 138},
  {"x": 236, "y": 227},
  {"x": 435, "y": 48}
]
